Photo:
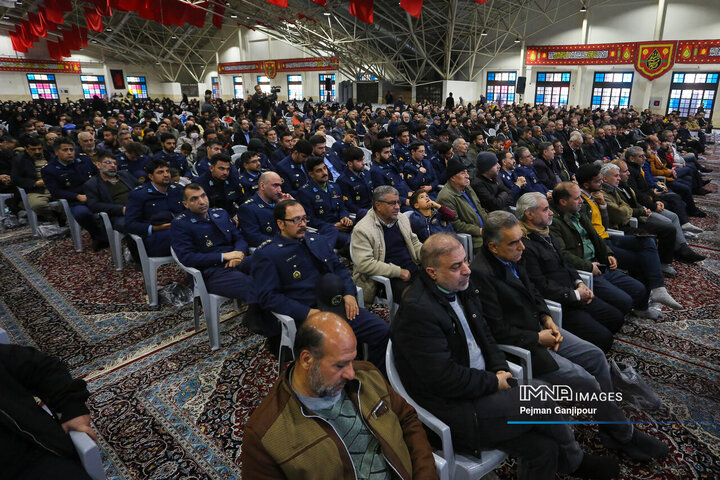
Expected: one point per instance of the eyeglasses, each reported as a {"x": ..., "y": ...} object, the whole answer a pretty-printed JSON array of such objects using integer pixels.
[
  {"x": 393, "y": 202},
  {"x": 297, "y": 220}
]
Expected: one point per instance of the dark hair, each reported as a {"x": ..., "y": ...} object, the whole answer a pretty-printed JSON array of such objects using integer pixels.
[
  {"x": 443, "y": 147},
  {"x": 379, "y": 145},
  {"x": 284, "y": 134},
  {"x": 586, "y": 172},
  {"x": 313, "y": 162},
  {"x": 415, "y": 145},
  {"x": 352, "y": 153},
  {"x": 191, "y": 186},
  {"x": 402, "y": 129},
  {"x": 474, "y": 135},
  {"x": 316, "y": 140},
  {"x": 60, "y": 142},
  {"x": 414, "y": 197},
  {"x": 206, "y": 133},
  {"x": 247, "y": 155},
  {"x": 562, "y": 191},
  {"x": 166, "y": 136},
  {"x": 103, "y": 154},
  {"x": 281, "y": 208},
  {"x": 303, "y": 146},
  {"x": 544, "y": 146},
  {"x": 111, "y": 130},
  {"x": 135, "y": 148},
  {"x": 309, "y": 338},
  {"x": 221, "y": 157},
  {"x": 154, "y": 164},
  {"x": 29, "y": 141}
]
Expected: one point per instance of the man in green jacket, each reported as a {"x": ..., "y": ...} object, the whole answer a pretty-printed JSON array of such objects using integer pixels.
[
  {"x": 330, "y": 417},
  {"x": 461, "y": 199}
]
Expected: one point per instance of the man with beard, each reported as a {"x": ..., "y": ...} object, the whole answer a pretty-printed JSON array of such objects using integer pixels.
[
  {"x": 255, "y": 216},
  {"x": 25, "y": 174},
  {"x": 222, "y": 189},
  {"x": 319, "y": 399},
  {"x": 108, "y": 191}
]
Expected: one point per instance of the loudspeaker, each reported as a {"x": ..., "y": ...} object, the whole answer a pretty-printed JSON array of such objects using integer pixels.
[{"x": 520, "y": 87}]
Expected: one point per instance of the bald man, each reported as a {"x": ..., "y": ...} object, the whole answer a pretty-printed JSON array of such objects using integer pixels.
[
  {"x": 336, "y": 410},
  {"x": 255, "y": 216}
]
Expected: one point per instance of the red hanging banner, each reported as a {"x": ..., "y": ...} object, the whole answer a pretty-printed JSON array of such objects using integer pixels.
[
  {"x": 279, "y": 3},
  {"x": 93, "y": 20},
  {"x": 362, "y": 10},
  {"x": 698, "y": 51},
  {"x": 413, "y": 7},
  {"x": 218, "y": 14},
  {"x": 654, "y": 59}
]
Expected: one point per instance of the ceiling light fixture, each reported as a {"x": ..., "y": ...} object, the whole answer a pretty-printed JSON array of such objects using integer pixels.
[
  {"x": 233, "y": 16},
  {"x": 517, "y": 40},
  {"x": 583, "y": 8},
  {"x": 484, "y": 33},
  {"x": 108, "y": 29},
  {"x": 327, "y": 14},
  {"x": 174, "y": 37},
  {"x": 6, "y": 17}
]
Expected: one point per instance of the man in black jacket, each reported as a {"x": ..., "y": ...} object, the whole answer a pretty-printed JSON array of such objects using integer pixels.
[
  {"x": 108, "y": 191},
  {"x": 517, "y": 315},
  {"x": 584, "y": 314},
  {"x": 33, "y": 444},
  {"x": 450, "y": 364},
  {"x": 26, "y": 174},
  {"x": 493, "y": 194}
]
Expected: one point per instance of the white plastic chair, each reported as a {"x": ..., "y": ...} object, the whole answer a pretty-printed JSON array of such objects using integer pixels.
[
  {"x": 633, "y": 222},
  {"x": 235, "y": 156},
  {"x": 587, "y": 278},
  {"x": 329, "y": 140},
  {"x": 464, "y": 238},
  {"x": 4, "y": 338},
  {"x": 460, "y": 467},
  {"x": 115, "y": 240},
  {"x": 75, "y": 229},
  {"x": 149, "y": 269},
  {"x": 31, "y": 215},
  {"x": 239, "y": 149},
  {"x": 210, "y": 302},
  {"x": 368, "y": 156},
  {"x": 388, "y": 299}
]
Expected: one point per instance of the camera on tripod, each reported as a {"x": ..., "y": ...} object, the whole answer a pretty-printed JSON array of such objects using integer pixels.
[{"x": 275, "y": 89}]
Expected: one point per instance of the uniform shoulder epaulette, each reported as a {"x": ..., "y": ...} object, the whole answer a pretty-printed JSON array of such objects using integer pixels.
[
  {"x": 175, "y": 185},
  {"x": 265, "y": 243},
  {"x": 180, "y": 216},
  {"x": 140, "y": 187},
  {"x": 249, "y": 200}
]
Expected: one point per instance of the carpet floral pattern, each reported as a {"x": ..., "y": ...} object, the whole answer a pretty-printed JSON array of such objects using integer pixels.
[{"x": 166, "y": 407}]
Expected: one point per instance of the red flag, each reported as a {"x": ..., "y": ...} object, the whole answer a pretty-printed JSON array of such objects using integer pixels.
[
  {"x": 413, "y": 7},
  {"x": 279, "y": 3},
  {"x": 71, "y": 39},
  {"x": 195, "y": 15},
  {"x": 218, "y": 14},
  {"x": 63, "y": 49},
  {"x": 362, "y": 10},
  {"x": 18, "y": 43},
  {"x": 102, "y": 7},
  {"x": 93, "y": 20},
  {"x": 480, "y": 1},
  {"x": 320, "y": 2},
  {"x": 62, "y": 5},
  {"x": 147, "y": 10},
  {"x": 54, "y": 51},
  {"x": 173, "y": 12},
  {"x": 83, "y": 37},
  {"x": 52, "y": 15},
  {"x": 126, "y": 5},
  {"x": 37, "y": 25}
]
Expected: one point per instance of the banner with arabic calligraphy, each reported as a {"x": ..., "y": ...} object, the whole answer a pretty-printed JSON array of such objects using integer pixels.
[
  {"x": 597, "y": 54},
  {"x": 43, "y": 66},
  {"x": 274, "y": 66},
  {"x": 698, "y": 51}
]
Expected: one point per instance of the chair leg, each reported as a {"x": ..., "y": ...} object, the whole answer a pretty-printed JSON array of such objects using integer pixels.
[
  {"x": 116, "y": 250},
  {"x": 151, "y": 284},
  {"x": 212, "y": 319},
  {"x": 196, "y": 312},
  {"x": 32, "y": 221}
]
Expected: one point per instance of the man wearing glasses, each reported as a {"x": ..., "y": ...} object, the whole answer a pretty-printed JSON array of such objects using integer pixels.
[
  {"x": 108, "y": 191},
  {"x": 287, "y": 270}
]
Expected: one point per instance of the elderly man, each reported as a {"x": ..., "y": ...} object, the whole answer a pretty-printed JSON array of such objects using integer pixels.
[
  {"x": 574, "y": 155},
  {"x": 518, "y": 315},
  {"x": 451, "y": 365},
  {"x": 287, "y": 270},
  {"x": 320, "y": 402},
  {"x": 461, "y": 199},
  {"x": 460, "y": 147},
  {"x": 586, "y": 315},
  {"x": 383, "y": 243}
]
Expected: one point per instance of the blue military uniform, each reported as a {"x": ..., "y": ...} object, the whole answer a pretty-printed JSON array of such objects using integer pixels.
[
  {"x": 278, "y": 155},
  {"x": 203, "y": 166},
  {"x": 357, "y": 190},
  {"x": 294, "y": 175},
  {"x": 416, "y": 179},
  {"x": 67, "y": 181},
  {"x": 509, "y": 179},
  {"x": 199, "y": 242},
  {"x": 286, "y": 273},
  {"x": 147, "y": 206},
  {"x": 401, "y": 152},
  {"x": 533, "y": 182},
  {"x": 438, "y": 164},
  {"x": 256, "y": 220},
  {"x": 249, "y": 183},
  {"x": 136, "y": 168},
  {"x": 226, "y": 195},
  {"x": 325, "y": 208},
  {"x": 389, "y": 174},
  {"x": 339, "y": 147},
  {"x": 176, "y": 160}
]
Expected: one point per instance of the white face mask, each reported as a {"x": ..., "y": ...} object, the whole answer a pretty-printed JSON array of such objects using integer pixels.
[{"x": 194, "y": 135}]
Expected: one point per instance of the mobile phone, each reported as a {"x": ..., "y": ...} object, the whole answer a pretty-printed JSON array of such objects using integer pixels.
[
  {"x": 512, "y": 381},
  {"x": 602, "y": 267}
]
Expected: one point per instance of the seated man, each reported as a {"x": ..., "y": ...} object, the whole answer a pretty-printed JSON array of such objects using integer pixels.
[
  {"x": 548, "y": 168},
  {"x": 586, "y": 315},
  {"x": 638, "y": 255},
  {"x": 207, "y": 239},
  {"x": 347, "y": 141},
  {"x": 385, "y": 171},
  {"x": 490, "y": 191},
  {"x": 582, "y": 246},
  {"x": 419, "y": 172},
  {"x": 255, "y": 215},
  {"x": 251, "y": 170},
  {"x": 383, "y": 244},
  {"x": 326, "y": 380},
  {"x": 429, "y": 217},
  {"x": 355, "y": 183},
  {"x": 152, "y": 206},
  {"x": 513, "y": 183},
  {"x": 134, "y": 160},
  {"x": 517, "y": 315},
  {"x": 35, "y": 444},
  {"x": 332, "y": 160},
  {"x": 285, "y": 148},
  {"x": 323, "y": 201},
  {"x": 25, "y": 174},
  {"x": 287, "y": 269},
  {"x": 450, "y": 364},
  {"x": 525, "y": 169},
  {"x": 222, "y": 190},
  {"x": 292, "y": 168},
  {"x": 65, "y": 177},
  {"x": 108, "y": 191},
  {"x": 439, "y": 160},
  {"x": 174, "y": 159},
  {"x": 461, "y": 199}
]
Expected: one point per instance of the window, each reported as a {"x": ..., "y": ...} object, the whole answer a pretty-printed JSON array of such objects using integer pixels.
[
  {"x": 238, "y": 87},
  {"x": 215, "y": 86},
  {"x": 295, "y": 87},
  {"x": 327, "y": 80},
  {"x": 43, "y": 86},
  {"x": 264, "y": 83},
  {"x": 93, "y": 85},
  {"x": 552, "y": 88},
  {"x": 137, "y": 86},
  {"x": 500, "y": 87},
  {"x": 689, "y": 91},
  {"x": 611, "y": 89}
]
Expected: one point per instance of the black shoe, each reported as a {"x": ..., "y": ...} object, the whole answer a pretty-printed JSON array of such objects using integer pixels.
[
  {"x": 641, "y": 447},
  {"x": 697, "y": 213},
  {"x": 688, "y": 255},
  {"x": 272, "y": 345},
  {"x": 705, "y": 182},
  {"x": 705, "y": 169},
  {"x": 597, "y": 467},
  {"x": 99, "y": 243},
  {"x": 701, "y": 191}
]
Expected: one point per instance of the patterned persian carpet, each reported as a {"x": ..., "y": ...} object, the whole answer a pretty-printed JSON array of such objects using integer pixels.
[{"x": 165, "y": 406}]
